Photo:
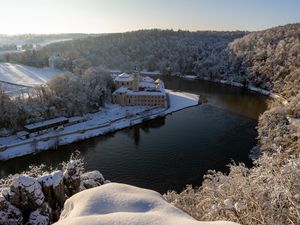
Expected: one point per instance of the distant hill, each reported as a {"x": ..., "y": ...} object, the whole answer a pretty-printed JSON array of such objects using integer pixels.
[
  {"x": 24, "y": 39},
  {"x": 165, "y": 50}
]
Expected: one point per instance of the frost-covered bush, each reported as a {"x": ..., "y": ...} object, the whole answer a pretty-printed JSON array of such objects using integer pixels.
[{"x": 265, "y": 194}]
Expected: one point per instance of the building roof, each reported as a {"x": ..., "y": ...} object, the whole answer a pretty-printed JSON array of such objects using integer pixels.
[
  {"x": 148, "y": 79},
  {"x": 141, "y": 93},
  {"x": 124, "y": 77},
  {"x": 46, "y": 123},
  {"x": 121, "y": 90},
  {"x": 22, "y": 133},
  {"x": 147, "y": 85}
]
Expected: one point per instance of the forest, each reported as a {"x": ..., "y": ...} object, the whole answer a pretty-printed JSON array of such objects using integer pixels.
[{"x": 165, "y": 50}]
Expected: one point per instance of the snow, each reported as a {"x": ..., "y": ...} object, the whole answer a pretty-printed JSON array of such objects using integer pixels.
[
  {"x": 111, "y": 118},
  {"x": 180, "y": 100},
  {"x": 148, "y": 73},
  {"x": 46, "y": 123},
  {"x": 293, "y": 121},
  {"x": 53, "y": 179},
  {"x": 91, "y": 179},
  {"x": 26, "y": 75},
  {"x": 144, "y": 93},
  {"x": 37, "y": 218},
  {"x": 113, "y": 203},
  {"x": 231, "y": 83},
  {"x": 228, "y": 203},
  {"x": 46, "y": 180},
  {"x": 31, "y": 186},
  {"x": 93, "y": 175},
  {"x": 259, "y": 90},
  {"x": 124, "y": 77},
  {"x": 189, "y": 77},
  {"x": 148, "y": 79},
  {"x": 3, "y": 53},
  {"x": 146, "y": 84},
  {"x": 237, "y": 84},
  {"x": 57, "y": 177}
]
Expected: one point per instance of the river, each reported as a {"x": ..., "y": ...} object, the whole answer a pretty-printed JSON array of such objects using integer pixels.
[{"x": 169, "y": 153}]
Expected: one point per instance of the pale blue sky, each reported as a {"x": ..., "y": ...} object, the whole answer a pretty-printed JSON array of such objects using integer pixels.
[{"x": 105, "y": 16}]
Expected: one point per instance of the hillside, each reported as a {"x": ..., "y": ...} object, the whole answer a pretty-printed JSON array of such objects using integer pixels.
[
  {"x": 270, "y": 58},
  {"x": 165, "y": 50},
  {"x": 268, "y": 193},
  {"x": 26, "y": 75}
]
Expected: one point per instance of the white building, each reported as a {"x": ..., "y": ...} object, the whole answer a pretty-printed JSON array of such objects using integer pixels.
[
  {"x": 133, "y": 89},
  {"x": 56, "y": 61}
]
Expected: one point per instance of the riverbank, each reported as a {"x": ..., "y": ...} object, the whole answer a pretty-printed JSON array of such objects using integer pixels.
[
  {"x": 252, "y": 88},
  {"x": 109, "y": 119},
  {"x": 239, "y": 85}
]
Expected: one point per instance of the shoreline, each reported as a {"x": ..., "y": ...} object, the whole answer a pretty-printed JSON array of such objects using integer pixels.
[
  {"x": 239, "y": 85},
  {"x": 110, "y": 119}
]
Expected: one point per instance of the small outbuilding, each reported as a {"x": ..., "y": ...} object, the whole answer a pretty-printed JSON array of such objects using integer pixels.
[
  {"x": 46, "y": 125},
  {"x": 23, "y": 135},
  {"x": 56, "y": 61}
]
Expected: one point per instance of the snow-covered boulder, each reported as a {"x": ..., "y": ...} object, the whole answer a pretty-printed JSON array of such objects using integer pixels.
[
  {"x": 9, "y": 214},
  {"x": 91, "y": 179},
  {"x": 25, "y": 193},
  {"x": 122, "y": 204},
  {"x": 53, "y": 189},
  {"x": 72, "y": 177},
  {"x": 37, "y": 218}
]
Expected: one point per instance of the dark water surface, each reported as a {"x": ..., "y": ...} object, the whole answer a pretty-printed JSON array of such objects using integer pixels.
[{"x": 168, "y": 153}]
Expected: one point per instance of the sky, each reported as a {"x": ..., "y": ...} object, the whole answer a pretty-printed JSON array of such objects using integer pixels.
[{"x": 110, "y": 16}]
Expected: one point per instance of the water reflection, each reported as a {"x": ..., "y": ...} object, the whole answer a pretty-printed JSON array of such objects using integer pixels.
[
  {"x": 134, "y": 133},
  {"x": 237, "y": 100},
  {"x": 168, "y": 153}
]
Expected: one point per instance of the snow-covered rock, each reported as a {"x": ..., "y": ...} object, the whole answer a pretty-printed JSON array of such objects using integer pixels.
[
  {"x": 72, "y": 177},
  {"x": 122, "y": 204},
  {"x": 9, "y": 214},
  {"x": 53, "y": 189},
  {"x": 37, "y": 218},
  {"x": 91, "y": 179},
  {"x": 228, "y": 203},
  {"x": 25, "y": 193}
]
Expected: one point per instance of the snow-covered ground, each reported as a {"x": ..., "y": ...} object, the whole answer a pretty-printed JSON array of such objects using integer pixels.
[
  {"x": 189, "y": 77},
  {"x": 109, "y": 119},
  {"x": 3, "y": 53},
  {"x": 120, "y": 204},
  {"x": 26, "y": 75}
]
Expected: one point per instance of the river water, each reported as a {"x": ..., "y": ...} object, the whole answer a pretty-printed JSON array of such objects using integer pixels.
[{"x": 169, "y": 153}]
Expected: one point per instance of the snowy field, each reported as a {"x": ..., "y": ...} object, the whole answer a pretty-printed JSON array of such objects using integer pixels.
[
  {"x": 25, "y": 75},
  {"x": 109, "y": 119},
  {"x": 45, "y": 42},
  {"x": 122, "y": 204}
]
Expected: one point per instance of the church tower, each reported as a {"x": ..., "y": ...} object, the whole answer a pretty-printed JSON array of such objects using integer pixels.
[{"x": 136, "y": 80}]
